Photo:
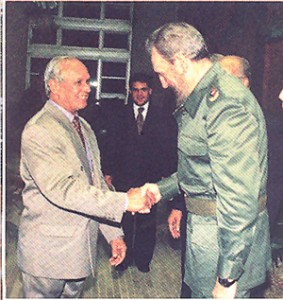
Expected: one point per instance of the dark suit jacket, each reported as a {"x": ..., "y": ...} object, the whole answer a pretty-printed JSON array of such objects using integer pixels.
[{"x": 148, "y": 157}]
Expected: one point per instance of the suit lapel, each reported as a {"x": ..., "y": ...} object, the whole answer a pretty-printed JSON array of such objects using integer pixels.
[
  {"x": 148, "y": 119},
  {"x": 94, "y": 153},
  {"x": 131, "y": 121},
  {"x": 75, "y": 140},
  {"x": 97, "y": 176}
]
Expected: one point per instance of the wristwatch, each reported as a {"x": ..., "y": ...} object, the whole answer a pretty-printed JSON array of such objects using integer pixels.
[{"x": 226, "y": 282}]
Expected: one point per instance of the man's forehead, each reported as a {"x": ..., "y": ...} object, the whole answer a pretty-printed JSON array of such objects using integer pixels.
[
  {"x": 140, "y": 83},
  {"x": 74, "y": 68},
  {"x": 158, "y": 61},
  {"x": 155, "y": 55}
]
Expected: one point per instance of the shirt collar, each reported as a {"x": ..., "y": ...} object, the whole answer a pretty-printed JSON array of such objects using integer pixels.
[
  {"x": 145, "y": 106},
  {"x": 69, "y": 115}
]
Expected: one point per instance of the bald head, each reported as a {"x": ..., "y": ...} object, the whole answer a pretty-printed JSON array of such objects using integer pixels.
[{"x": 237, "y": 66}]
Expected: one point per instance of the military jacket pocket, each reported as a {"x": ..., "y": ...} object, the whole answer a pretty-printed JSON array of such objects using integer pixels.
[
  {"x": 204, "y": 234},
  {"x": 202, "y": 253},
  {"x": 193, "y": 168}
]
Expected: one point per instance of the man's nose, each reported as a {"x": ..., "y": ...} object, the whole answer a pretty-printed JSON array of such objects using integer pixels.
[
  {"x": 163, "y": 82},
  {"x": 87, "y": 88}
]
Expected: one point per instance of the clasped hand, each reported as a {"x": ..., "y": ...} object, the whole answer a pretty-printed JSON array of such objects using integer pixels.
[{"x": 141, "y": 199}]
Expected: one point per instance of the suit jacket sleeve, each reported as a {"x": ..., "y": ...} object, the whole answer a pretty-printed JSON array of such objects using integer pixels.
[
  {"x": 110, "y": 232},
  {"x": 51, "y": 162}
]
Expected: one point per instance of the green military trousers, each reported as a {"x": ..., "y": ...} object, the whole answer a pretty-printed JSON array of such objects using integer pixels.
[{"x": 202, "y": 252}]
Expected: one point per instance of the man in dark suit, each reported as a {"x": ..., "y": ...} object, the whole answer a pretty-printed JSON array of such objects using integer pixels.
[{"x": 146, "y": 151}]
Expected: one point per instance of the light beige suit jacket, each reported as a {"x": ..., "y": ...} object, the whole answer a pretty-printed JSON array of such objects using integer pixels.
[{"x": 58, "y": 229}]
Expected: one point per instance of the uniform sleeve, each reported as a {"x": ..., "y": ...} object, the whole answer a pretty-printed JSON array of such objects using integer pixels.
[
  {"x": 169, "y": 187},
  {"x": 234, "y": 149},
  {"x": 60, "y": 181},
  {"x": 169, "y": 145}
]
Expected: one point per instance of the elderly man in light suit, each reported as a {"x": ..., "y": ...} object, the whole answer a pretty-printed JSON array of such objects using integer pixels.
[{"x": 65, "y": 197}]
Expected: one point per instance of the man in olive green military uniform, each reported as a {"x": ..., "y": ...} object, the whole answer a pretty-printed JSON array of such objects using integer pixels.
[{"x": 222, "y": 166}]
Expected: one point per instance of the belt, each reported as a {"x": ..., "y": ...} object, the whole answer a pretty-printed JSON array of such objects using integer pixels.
[{"x": 207, "y": 207}]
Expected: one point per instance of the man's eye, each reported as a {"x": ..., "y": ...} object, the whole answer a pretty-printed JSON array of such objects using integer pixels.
[
  {"x": 142, "y": 89},
  {"x": 79, "y": 82}
]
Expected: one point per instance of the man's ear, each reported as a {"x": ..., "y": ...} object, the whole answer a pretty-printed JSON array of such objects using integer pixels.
[
  {"x": 246, "y": 82},
  {"x": 150, "y": 91},
  {"x": 53, "y": 86}
]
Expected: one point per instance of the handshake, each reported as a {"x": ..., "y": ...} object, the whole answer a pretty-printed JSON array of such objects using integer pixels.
[{"x": 141, "y": 199}]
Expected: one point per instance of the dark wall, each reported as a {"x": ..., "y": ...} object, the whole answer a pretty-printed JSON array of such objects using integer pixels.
[
  {"x": 248, "y": 29},
  {"x": 149, "y": 16},
  {"x": 232, "y": 28},
  {"x": 273, "y": 59},
  {"x": 16, "y": 48},
  {"x": 273, "y": 76}
]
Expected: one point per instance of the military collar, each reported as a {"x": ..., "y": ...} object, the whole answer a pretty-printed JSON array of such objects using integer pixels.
[{"x": 205, "y": 86}]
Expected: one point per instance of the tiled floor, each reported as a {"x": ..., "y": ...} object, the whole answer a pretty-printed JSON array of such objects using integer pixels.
[{"x": 163, "y": 281}]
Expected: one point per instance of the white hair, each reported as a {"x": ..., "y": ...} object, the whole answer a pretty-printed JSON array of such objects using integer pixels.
[
  {"x": 174, "y": 38},
  {"x": 53, "y": 71}
]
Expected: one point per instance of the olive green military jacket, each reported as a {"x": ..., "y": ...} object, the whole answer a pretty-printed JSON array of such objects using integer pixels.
[{"x": 222, "y": 148}]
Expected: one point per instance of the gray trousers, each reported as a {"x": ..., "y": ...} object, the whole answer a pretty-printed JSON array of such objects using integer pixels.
[{"x": 40, "y": 287}]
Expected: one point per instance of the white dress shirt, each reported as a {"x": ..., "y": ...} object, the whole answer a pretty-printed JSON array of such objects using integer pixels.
[{"x": 144, "y": 113}]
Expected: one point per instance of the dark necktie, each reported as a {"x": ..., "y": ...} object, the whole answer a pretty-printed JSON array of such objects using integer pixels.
[
  {"x": 77, "y": 125},
  {"x": 140, "y": 119}
]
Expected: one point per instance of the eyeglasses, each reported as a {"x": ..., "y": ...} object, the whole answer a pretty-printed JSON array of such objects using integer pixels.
[{"x": 135, "y": 90}]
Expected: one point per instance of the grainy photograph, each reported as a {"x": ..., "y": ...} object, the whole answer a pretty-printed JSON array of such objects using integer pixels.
[{"x": 141, "y": 149}]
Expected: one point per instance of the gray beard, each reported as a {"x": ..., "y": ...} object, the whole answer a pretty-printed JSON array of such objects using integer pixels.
[
  {"x": 180, "y": 98},
  {"x": 180, "y": 101}
]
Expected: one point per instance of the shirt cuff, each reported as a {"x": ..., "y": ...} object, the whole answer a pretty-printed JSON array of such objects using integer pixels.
[
  {"x": 121, "y": 237},
  {"x": 229, "y": 269}
]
